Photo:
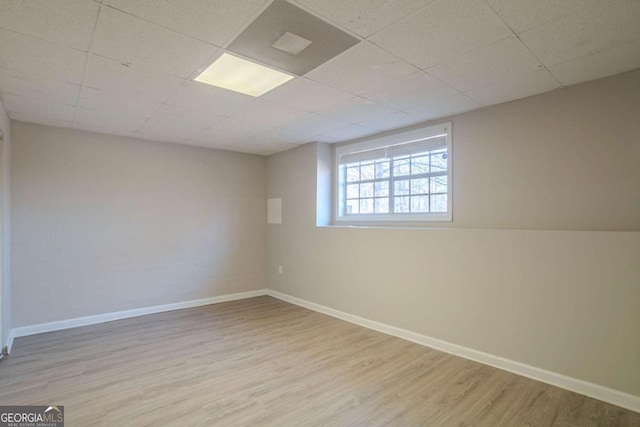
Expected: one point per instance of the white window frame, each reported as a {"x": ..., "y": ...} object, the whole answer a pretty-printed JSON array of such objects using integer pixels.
[{"x": 387, "y": 141}]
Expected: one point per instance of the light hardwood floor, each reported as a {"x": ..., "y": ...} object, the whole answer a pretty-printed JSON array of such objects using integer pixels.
[{"x": 262, "y": 361}]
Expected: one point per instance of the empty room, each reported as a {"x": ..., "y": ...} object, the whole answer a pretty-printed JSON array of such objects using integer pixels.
[{"x": 320, "y": 213}]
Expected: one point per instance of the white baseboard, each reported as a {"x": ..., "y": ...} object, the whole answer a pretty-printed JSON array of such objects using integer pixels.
[
  {"x": 9, "y": 342},
  {"x": 23, "y": 331},
  {"x": 615, "y": 397},
  {"x": 596, "y": 391}
]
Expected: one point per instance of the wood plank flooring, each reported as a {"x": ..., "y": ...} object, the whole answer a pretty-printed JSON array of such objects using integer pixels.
[{"x": 262, "y": 361}]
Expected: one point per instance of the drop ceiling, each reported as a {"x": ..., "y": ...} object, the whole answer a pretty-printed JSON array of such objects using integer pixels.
[
  {"x": 322, "y": 40},
  {"x": 126, "y": 67}
]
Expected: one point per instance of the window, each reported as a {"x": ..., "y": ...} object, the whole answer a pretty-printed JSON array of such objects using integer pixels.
[{"x": 401, "y": 177}]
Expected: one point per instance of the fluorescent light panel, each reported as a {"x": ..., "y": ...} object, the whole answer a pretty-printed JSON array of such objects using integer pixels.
[{"x": 237, "y": 74}]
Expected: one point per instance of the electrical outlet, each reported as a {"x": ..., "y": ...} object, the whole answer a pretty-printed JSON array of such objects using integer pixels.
[{"x": 279, "y": 269}]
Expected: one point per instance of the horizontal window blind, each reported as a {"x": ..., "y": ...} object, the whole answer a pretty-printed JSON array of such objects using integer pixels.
[{"x": 396, "y": 150}]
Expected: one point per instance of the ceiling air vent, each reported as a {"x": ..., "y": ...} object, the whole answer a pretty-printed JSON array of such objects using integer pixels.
[
  {"x": 291, "y": 39},
  {"x": 291, "y": 43}
]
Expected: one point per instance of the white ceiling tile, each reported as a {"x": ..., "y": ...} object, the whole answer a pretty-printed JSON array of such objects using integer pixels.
[
  {"x": 163, "y": 138},
  {"x": 601, "y": 27},
  {"x": 132, "y": 40},
  {"x": 235, "y": 147},
  {"x": 314, "y": 124},
  {"x": 443, "y": 30},
  {"x": 131, "y": 104},
  {"x": 224, "y": 132},
  {"x": 289, "y": 136},
  {"x": 213, "y": 21},
  {"x": 277, "y": 147},
  {"x": 364, "y": 17},
  {"x": 606, "y": 63},
  {"x": 347, "y": 133},
  {"x": 37, "y": 108},
  {"x": 531, "y": 84},
  {"x": 392, "y": 121},
  {"x": 202, "y": 119},
  {"x": 362, "y": 68},
  {"x": 412, "y": 91},
  {"x": 104, "y": 119},
  {"x": 41, "y": 58},
  {"x": 169, "y": 129},
  {"x": 464, "y": 44},
  {"x": 257, "y": 140},
  {"x": 247, "y": 148},
  {"x": 108, "y": 131},
  {"x": 305, "y": 94},
  {"x": 31, "y": 118},
  {"x": 113, "y": 76},
  {"x": 357, "y": 110},
  {"x": 30, "y": 86},
  {"x": 67, "y": 22},
  {"x": 230, "y": 126},
  {"x": 257, "y": 145},
  {"x": 208, "y": 144},
  {"x": 261, "y": 115},
  {"x": 219, "y": 137},
  {"x": 200, "y": 97},
  {"x": 487, "y": 66},
  {"x": 448, "y": 105},
  {"x": 523, "y": 14},
  {"x": 212, "y": 139}
]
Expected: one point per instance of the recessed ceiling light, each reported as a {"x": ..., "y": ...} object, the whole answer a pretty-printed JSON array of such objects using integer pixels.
[{"x": 237, "y": 74}]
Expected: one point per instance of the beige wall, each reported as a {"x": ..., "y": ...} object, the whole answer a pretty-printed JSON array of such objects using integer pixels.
[
  {"x": 564, "y": 160},
  {"x": 5, "y": 229},
  {"x": 105, "y": 223},
  {"x": 564, "y": 301}
]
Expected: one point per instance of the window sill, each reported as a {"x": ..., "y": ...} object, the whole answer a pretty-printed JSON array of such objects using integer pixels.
[{"x": 394, "y": 226}]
